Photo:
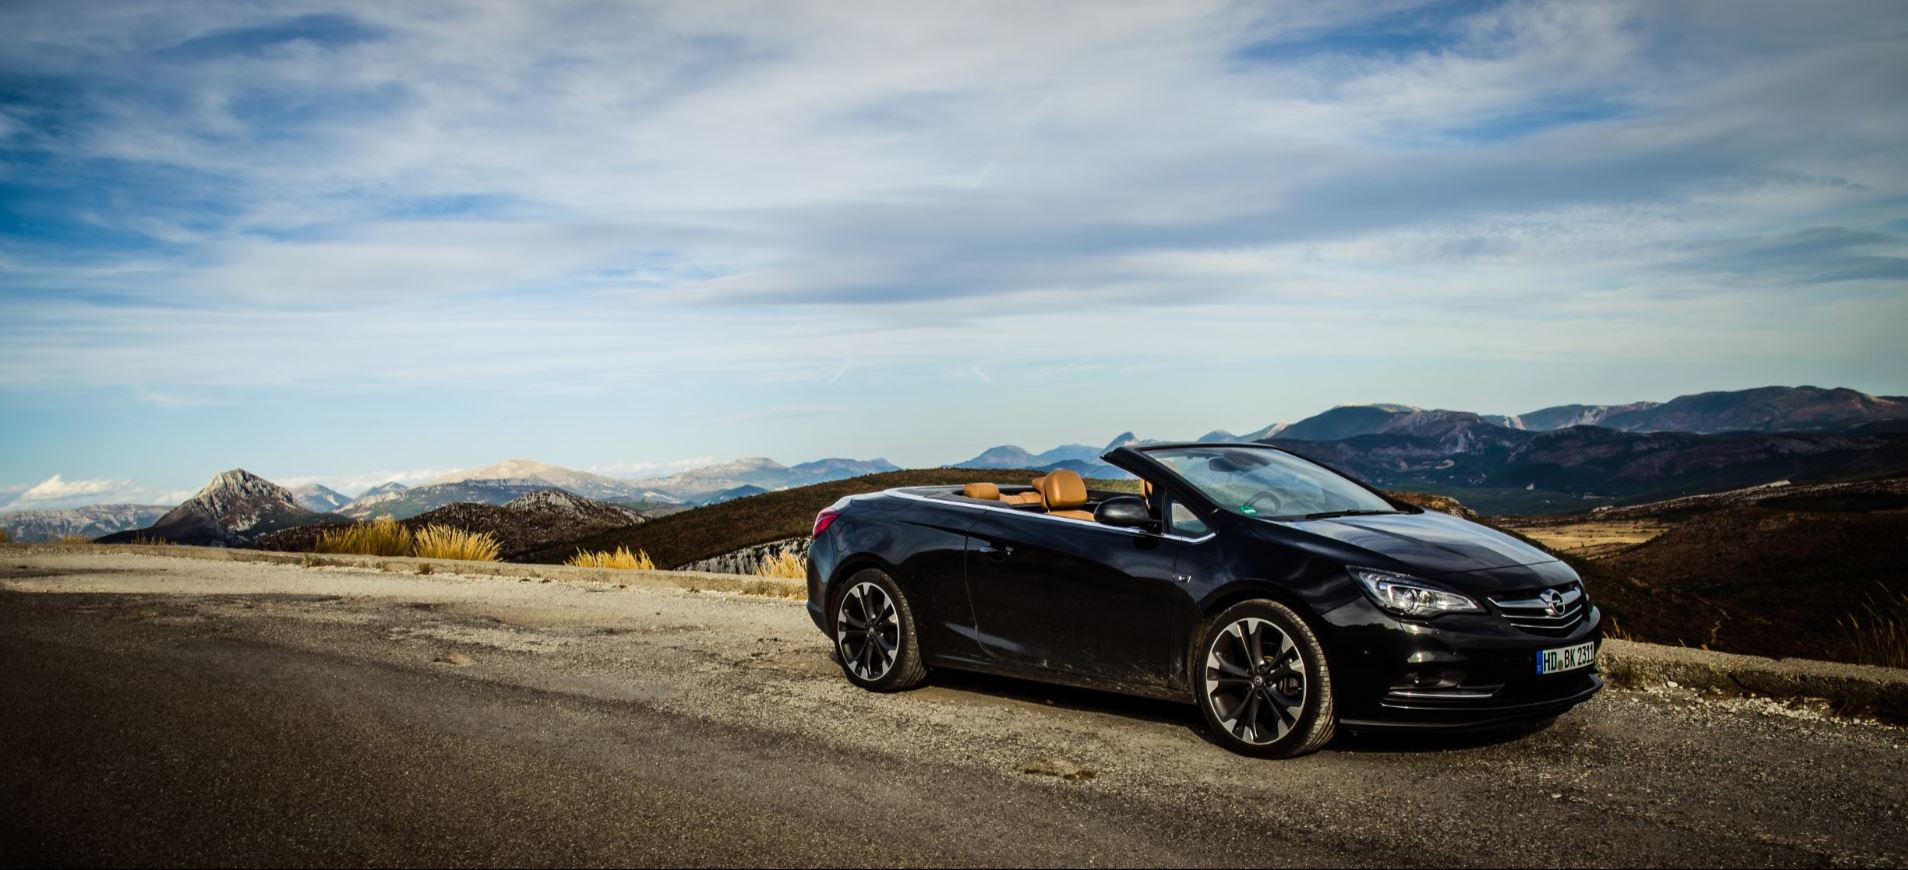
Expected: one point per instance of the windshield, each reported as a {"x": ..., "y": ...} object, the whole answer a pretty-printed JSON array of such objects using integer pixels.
[{"x": 1267, "y": 483}]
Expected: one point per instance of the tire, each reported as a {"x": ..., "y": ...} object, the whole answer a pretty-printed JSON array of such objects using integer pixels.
[
  {"x": 1281, "y": 705},
  {"x": 893, "y": 662}
]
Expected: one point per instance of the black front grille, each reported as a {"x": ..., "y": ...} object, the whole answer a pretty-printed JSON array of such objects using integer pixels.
[{"x": 1554, "y": 611}]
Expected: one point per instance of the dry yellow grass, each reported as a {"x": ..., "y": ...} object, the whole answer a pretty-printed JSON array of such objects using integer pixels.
[
  {"x": 622, "y": 559},
  {"x": 786, "y": 565},
  {"x": 1593, "y": 540},
  {"x": 75, "y": 539},
  {"x": 1880, "y": 636},
  {"x": 383, "y": 536},
  {"x": 437, "y": 541}
]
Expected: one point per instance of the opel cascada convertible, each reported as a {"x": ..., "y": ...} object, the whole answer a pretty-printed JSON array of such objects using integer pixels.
[{"x": 1284, "y": 599}]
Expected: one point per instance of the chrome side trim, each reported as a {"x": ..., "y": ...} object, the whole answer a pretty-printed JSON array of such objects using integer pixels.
[{"x": 1070, "y": 522}]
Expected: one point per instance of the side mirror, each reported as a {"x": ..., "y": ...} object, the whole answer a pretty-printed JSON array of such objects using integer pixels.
[{"x": 1126, "y": 512}]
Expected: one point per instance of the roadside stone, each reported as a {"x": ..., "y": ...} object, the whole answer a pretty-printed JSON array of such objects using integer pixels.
[{"x": 1056, "y": 767}]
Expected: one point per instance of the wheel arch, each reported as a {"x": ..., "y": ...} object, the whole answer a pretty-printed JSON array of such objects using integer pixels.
[
  {"x": 1248, "y": 590},
  {"x": 848, "y": 567}
]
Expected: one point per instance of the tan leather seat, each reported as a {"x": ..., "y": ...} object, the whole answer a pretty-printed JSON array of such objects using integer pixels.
[
  {"x": 1025, "y": 497},
  {"x": 982, "y": 491},
  {"x": 1064, "y": 493}
]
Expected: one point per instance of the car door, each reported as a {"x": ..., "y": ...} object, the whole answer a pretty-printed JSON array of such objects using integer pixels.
[{"x": 1074, "y": 596}]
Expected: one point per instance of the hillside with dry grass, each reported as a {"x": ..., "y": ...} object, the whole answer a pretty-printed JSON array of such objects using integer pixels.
[{"x": 1807, "y": 571}]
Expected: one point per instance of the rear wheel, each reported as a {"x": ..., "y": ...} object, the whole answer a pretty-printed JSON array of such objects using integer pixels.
[
  {"x": 874, "y": 634},
  {"x": 1263, "y": 683}
]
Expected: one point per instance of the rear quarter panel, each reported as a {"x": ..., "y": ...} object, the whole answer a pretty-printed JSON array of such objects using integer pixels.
[{"x": 920, "y": 544}]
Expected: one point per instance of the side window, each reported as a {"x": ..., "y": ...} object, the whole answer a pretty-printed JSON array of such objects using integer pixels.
[{"x": 1180, "y": 520}]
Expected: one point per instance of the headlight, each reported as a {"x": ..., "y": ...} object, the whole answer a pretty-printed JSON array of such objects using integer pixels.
[{"x": 1408, "y": 596}]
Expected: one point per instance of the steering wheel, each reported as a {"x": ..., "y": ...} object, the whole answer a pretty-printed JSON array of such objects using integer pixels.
[{"x": 1252, "y": 504}]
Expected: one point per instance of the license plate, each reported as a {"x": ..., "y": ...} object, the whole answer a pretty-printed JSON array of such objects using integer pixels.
[{"x": 1569, "y": 658}]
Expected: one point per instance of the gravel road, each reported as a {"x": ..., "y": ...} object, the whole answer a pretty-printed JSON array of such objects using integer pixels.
[{"x": 173, "y": 711}]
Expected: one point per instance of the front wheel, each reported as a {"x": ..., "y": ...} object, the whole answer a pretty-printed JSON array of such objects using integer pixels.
[
  {"x": 1263, "y": 683},
  {"x": 874, "y": 634}
]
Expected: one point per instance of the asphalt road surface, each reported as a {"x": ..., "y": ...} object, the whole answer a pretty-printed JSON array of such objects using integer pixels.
[{"x": 166, "y": 711}]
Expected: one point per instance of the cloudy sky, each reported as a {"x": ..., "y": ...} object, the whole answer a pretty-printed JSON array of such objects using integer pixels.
[{"x": 352, "y": 241}]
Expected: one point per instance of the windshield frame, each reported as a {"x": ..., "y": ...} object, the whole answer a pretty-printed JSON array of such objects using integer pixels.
[{"x": 1197, "y": 496}]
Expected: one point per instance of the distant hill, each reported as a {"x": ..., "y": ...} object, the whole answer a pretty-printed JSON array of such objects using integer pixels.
[
  {"x": 1763, "y": 409},
  {"x": 1344, "y": 421},
  {"x": 1500, "y": 470},
  {"x": 582, "y": 483},
  {"x": 382, "y": 492},
  {"x": 407, "y": 503},
  {"x": 319, "y": 498},
  {"x": 92, "y": 521},
  {"x": 743, "y": 491},
  {"x": 1011, "y": 456},
  {"x": 700, "y": 484},
  {"x": 233, "y": 510}
]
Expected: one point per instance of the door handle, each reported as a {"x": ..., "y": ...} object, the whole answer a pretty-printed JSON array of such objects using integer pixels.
[{"x": 996, "y": 554}]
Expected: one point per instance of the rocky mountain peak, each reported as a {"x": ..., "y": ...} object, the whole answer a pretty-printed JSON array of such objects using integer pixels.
[{"x": 241, "y": 487}]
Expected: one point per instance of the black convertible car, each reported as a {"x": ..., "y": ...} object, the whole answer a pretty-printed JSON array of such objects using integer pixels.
[{"x": 1283, "y": 598}]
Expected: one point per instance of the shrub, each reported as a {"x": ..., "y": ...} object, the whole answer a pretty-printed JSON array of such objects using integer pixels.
[
  {"x": 4, "y": 537},
  {"x": 75, "y": 539},
  {"x": 785, "y": 565},
  {"x": 383, "y": 536},
  {"x": 437, "y": 541},
  {"x": 149, "y": 540},
  {"x": 1880, "y": 635},
  {"x": 622, "y": 558}
]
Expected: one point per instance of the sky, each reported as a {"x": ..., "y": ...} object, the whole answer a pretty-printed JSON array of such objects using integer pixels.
[{"x": 350, "y": 242}]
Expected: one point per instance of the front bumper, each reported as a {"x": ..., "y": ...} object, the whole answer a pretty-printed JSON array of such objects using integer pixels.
[{"x": 1455, "y": 672}]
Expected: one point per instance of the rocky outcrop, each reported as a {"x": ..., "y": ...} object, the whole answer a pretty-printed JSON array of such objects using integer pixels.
[{"x": 748, "y": 560}]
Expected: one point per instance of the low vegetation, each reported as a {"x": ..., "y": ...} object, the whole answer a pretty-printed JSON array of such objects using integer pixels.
[
  {"x": 383, "y": 536},
  {"x": 786, "y": 565},
  {"x": 75, "y": 539},
  {"x": 1879, "y": 635},
  {"x": 622, "y": 559},
  {"x": 449, "y": 542},
  {"x": 4, "y": 537}
]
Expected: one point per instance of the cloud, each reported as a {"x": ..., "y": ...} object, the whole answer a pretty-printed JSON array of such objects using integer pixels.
[
  {"x": 208, "y": 205},
  {"x": 58, "y": 492}
]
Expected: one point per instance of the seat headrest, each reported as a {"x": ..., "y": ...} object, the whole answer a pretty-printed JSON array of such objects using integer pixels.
[
  {"x": 1063, "y": 490},
  {"x": 986, "y": 491},
  {"x": 1038, "y": 481},
  {"x": 1146, "y": 488}
]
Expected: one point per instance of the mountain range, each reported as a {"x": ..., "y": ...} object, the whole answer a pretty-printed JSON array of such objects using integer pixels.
[
  {"x": 1572, "y": 456},
  {"x": 92, "y": 521},
  {"x": 1554, "y": 459}
]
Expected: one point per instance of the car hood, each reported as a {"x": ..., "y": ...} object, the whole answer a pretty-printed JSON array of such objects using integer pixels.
[{"x": 1429, "y": 543}]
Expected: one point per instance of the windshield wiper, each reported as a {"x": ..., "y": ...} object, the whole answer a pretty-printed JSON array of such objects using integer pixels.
[{"x": 1326, "y": 515}]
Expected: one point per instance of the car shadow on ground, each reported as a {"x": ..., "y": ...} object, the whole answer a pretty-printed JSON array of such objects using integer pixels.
[{"x": 1187, "y": 717}]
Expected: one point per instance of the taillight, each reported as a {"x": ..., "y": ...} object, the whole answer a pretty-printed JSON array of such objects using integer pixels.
[{"x": 823, "y": 520}]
